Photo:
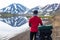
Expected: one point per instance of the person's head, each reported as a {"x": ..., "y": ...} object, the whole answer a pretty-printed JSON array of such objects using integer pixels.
[{"x": 35, "y": 12}]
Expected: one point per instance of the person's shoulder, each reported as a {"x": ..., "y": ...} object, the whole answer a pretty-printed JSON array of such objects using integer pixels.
[
  {"x": 38, "y": 17},
  {"x": 31, "y": 17}
]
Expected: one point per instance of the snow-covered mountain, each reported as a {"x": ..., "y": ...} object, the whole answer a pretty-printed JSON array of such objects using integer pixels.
[
  {"x": 14, "y": 9},
  {"x": 48, "y": 9},
  {"x": 51, "y": 8}
]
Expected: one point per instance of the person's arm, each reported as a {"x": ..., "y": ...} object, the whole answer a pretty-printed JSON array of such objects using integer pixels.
[
  {"x": 29, "y": 23},
  {"x": 41, "y": 22}
]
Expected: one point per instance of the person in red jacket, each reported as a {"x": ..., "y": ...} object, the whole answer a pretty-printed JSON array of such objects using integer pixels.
[{"x": 34, "y": 23}]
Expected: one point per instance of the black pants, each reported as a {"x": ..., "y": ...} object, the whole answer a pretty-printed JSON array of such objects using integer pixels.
[
  {"x": 33, "y": 35},
  {"x": 45, "y": 34}
]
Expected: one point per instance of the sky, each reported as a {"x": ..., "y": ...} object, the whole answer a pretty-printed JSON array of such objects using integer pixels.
[{"x": 28, "y": 3}]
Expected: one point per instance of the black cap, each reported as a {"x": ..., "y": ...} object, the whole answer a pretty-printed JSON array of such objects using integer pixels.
[{"x": 35, "y": 12}]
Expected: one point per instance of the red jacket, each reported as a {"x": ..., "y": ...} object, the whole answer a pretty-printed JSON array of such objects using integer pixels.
[{"x": 34, "y": 22}]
